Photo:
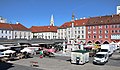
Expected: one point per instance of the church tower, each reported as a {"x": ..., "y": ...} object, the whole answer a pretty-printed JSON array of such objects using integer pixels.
[{"x": 52, "y": 21}]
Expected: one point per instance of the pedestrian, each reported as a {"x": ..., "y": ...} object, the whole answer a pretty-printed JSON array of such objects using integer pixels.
[{"x": 41, "y": 54}]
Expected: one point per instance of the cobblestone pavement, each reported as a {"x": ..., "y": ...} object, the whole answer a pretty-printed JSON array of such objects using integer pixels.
[{"x": 61, "y": 63}]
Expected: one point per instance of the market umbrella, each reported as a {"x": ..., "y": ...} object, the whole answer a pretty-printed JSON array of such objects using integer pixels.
[
  {"x": 3, "y": 47},
  {"x": 9, "y": 51},
  {"x": 26, "y": 50}
]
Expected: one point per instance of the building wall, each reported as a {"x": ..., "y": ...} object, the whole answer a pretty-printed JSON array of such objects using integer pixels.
[
  {"x": 10, "y": 34},
  {"x": 61, "y": 34},
  {"x": 101, "y": 33},
  {"x": 6, "y": 34},
  {"x": 78, "y": 33},
  {"x": 45, "y": 35},
  {"x": 22, "y": 35}
]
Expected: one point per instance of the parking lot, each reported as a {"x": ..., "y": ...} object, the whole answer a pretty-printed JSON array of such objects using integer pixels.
[{"x": 63, "y": 63}]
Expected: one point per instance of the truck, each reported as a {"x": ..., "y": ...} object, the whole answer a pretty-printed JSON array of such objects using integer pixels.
[
  {"x": 107, "y": 48},
  {"x": 101, "y": 58},
  {"x": 79, "y": 57}
]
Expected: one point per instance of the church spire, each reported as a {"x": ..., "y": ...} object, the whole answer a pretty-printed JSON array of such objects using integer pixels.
[
  {"x": 52, "y": 21},
  {"x": 73, "y": 17}
]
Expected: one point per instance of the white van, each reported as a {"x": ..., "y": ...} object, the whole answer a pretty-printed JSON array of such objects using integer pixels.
[{"x": 101, "y": 58}]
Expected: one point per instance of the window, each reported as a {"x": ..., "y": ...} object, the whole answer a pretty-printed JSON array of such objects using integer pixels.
[
  {"x": 2, "y": 31},
  {"x": 6, "y": 31},
  {"x": 9, "y": 32},
  {"x": 94, "y": 32},
  {"x": 100, "y": 36},
  {"x": 94, "y": 27},
  {"x": 82, "y": 27},
  {"x": 9, "y": 37},
  {"x": 89, "y": 32},
  {"x": 75, "y": 32},
  {"x": 106, "y": 36},
  {"x": 94, "y": 36},
  {"x": 115, "y": 31},
  {"x": 68, "y": 32},
  {"x": 112, "y": 31},
  {"x": 115, "y": 26},
  {"x": 100, "y": 26},
  {"x": 89, "y": 36},
  {"x": 89, "y": 27},
  {"x": 112, "y": 26},
  {"x": 100, "y": 32},
  {"x": 82, "y": 31},
  {"x": 78, "y": 32},
  {"x": 82, "y": 36},
  {"x": 106, "y": 26},
  {"x": 106, "y": 31}
]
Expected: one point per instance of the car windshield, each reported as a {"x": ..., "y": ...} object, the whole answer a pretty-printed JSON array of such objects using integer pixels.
[
  {"x": 104, "y": 50},
  {"x": 99, "y": 55}
]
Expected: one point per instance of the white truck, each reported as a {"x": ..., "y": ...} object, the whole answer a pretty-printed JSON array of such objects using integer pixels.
[
  {"x": 79, "y": 57},
  {"x": 107, "y": 48},
  {"x": 101, "y": 58}
]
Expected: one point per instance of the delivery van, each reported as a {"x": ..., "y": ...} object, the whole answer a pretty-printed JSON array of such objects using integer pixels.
[
  {"x": 101, "y": 58},
  {"x": 107, "y": 48}
]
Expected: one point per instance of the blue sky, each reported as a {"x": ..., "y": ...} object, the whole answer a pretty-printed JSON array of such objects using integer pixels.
[{"x": 38, "y": 12}]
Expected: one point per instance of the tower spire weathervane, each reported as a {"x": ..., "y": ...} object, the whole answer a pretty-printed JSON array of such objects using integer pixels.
[{"x": 52, "y": 20}]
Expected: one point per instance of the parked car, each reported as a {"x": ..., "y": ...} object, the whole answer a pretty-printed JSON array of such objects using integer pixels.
[{"x": 101, "y": 58}]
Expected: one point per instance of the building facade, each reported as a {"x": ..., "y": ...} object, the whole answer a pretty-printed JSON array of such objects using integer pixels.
[
  {"x": 14, "y": 31},
  {"x": 44, "y": 32},
  {"x": 103, "y": 29}
]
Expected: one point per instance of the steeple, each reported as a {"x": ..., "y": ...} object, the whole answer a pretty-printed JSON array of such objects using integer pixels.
[
  {"x": 73, "y": 17},
  {"x": 52, "y": 21}
]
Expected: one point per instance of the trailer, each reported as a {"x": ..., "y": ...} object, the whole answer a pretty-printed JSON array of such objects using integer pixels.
[{"x": 79, "y": 57}]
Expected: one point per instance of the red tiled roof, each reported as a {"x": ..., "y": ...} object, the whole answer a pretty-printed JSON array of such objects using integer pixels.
[
  {"x": 43, "y": 29},
  {"x": 18, "y": 26},
  {"x": 80, "y": 22},
  {"x": 5, "y": 26},
  {"x": 103, "y": 20}
]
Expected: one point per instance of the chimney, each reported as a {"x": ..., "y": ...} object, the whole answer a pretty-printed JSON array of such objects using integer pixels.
[
  {"x": 17, "y": 22},
  {"x": 112, "y": 15}
]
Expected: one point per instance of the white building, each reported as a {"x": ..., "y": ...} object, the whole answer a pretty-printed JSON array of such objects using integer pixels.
[
  {"x": 74, "y": 32},
  {"x": 118, "y": 9},
  {"x": 14, "y": 31},
  {"x": 45, "y": 32}
]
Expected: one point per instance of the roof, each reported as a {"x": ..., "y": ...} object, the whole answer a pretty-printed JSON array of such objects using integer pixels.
[
  {"x": 43, "y": 29},
  {"x": 80, "y": 22},
  {"x": 103, "y": 20},
  {"x": 80, "y": 51},
  {"x": 5, "y": 26},
  {"x": 19, "y": 27}
]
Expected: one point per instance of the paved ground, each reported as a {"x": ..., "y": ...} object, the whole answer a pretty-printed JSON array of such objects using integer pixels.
[{"x": 61, "y": 63}]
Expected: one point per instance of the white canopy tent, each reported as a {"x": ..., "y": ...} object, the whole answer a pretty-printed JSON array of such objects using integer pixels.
[
  {"x": 26, "y": 50},
  {"x": 9, "y": 51},
  {"x": 3, "y": 47}
]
